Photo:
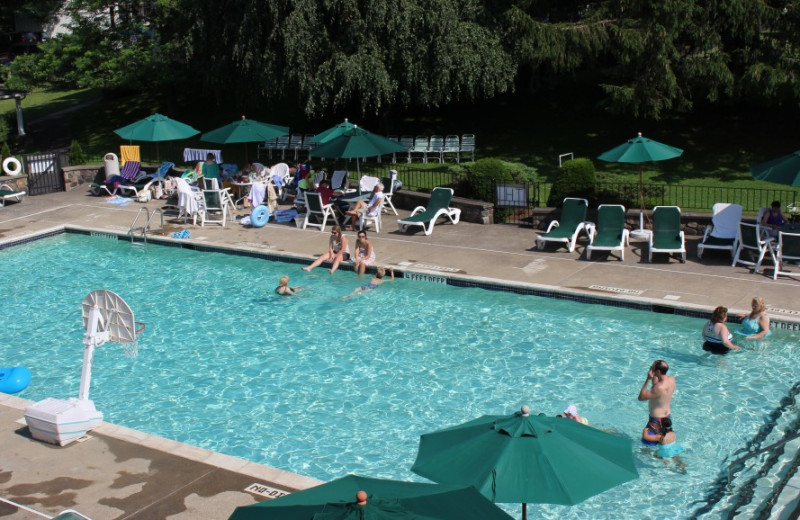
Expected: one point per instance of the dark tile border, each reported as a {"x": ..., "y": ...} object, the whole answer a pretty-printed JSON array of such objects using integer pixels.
[{"x": 453, "y": 281}]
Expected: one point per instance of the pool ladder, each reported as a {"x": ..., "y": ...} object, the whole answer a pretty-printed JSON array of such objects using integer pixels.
[{"x": 142, "y": 231}]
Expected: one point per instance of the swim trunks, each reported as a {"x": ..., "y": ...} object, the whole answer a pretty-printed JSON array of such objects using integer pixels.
[
  {"x": 668, "y": 450},
  {"x": 368, "y": 287},
  {"x": 715, "y": 348},
  {"x": 653, "y": 428}
]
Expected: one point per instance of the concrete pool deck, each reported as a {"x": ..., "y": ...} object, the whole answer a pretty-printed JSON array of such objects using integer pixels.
[{"x": 122, "y": 473}]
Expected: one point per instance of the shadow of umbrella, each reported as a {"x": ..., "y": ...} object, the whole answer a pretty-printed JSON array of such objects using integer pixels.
[
  {"x": 379, "y": 499},
  {"x": 525, "y": 459},
  {"x": 640, "y": 150},
  {"x": 156, "y": 128}
]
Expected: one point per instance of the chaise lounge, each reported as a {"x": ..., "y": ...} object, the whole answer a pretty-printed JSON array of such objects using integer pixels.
[{"x": 439, "y": 205}]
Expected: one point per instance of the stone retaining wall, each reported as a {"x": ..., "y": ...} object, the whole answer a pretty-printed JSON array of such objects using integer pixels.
[{"x": 474, "y": 211}]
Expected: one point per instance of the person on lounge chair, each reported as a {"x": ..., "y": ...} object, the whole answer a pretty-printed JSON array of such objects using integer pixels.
[{"x": 371, "y": 208}]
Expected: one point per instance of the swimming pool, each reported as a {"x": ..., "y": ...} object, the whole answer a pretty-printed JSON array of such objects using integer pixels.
[{"x": 324, "y": 387}]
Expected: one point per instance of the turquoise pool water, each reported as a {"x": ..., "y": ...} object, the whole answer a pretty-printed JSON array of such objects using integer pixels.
[{"x": 324, "y": 387}]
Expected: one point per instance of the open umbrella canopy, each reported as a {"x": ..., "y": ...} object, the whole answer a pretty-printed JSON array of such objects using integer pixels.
[
  {"x": 333, "y": 132},
  {"x": 639, "y": 150},
  {"x": 783, "y": 170},
  {"x": 399, "y": 500},
  {"x": 356, "y": 143},
  {"x": 244, "y": 131},
  {"x": 156, "y": 128},
  {"x": 527, "y": 459}
]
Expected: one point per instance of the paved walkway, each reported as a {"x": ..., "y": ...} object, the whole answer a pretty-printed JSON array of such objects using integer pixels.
[{"x": 121, "y": 473}]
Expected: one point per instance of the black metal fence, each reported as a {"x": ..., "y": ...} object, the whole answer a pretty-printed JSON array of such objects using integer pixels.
[
  {"x": 514, "y": 202},
  {"x": 44, "y": 171}
]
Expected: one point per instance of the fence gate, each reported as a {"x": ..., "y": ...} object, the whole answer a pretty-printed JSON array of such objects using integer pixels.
[
  {"x": 514, "y": 203},
  {"x": 44, "y": 172}
]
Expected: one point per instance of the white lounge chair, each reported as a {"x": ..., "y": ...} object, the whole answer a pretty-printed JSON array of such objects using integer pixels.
[
  {"x": 426, "y": 217},
  {"x": 667, "y": 236},
  {"x": 8, "y": 193},
  {"x": 723, "y": 232},
  {"x": 609, "y": 234},
  {"x": 571, "y": 223},
  {"x": 139, "y": 188}
]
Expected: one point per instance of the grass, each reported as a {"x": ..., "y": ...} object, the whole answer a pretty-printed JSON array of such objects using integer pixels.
[{"x": 719, "y": 147}]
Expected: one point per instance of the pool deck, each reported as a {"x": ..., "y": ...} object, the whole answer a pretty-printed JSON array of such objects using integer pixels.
[{"x": 121, "y": 473}]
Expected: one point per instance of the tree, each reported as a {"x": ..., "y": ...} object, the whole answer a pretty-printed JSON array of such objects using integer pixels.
[{"x": 328, "y": 53}]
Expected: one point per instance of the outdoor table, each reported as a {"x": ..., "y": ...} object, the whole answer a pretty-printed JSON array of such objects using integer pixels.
[{"x": 242, "y": 191}]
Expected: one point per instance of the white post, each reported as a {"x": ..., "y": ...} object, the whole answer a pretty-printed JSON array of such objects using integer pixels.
[{"x": 91, "y": 339}]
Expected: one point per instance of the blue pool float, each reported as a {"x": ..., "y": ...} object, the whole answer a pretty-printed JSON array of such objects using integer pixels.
[
  {"x": 259, "y": 216},
  {"x": 14, "y": 379}
]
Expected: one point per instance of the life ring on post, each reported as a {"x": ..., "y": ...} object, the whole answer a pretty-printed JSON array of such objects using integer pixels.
[
  {"x": 259, "y": 216},
  {"x": 7, "y": 162}
]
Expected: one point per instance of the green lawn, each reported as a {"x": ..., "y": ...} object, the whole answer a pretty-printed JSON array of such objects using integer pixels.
[{"x": 719, "y": 147}]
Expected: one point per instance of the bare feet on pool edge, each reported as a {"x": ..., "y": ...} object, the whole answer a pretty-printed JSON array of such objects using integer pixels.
[
  {"x": 306, "y": 269},
  {"x": 330, "y": 271}
]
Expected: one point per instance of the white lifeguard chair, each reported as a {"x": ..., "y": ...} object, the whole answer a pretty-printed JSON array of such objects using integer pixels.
[{"x": 106, "y": 317}]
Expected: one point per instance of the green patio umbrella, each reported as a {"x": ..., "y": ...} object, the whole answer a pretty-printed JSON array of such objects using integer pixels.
[
  {"x": 783, "y": 170},
  {"x": 356, "y": 143},
  {"x": 637, "y": 151},
  {"x": 244, "y": 131},
  {"x": 522, "y": 458},
  {"x": 389, "y": 499},
  {"x": 333, "y": 132},
  {"x": 156, "y": 128}
]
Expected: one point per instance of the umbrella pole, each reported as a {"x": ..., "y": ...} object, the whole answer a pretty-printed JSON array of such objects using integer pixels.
[
  {"x": 641, "y": 232},
  {"x": 524, "y": 511}
]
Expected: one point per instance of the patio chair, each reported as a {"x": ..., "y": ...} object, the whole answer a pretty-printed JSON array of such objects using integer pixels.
[
  {"x": 365, "y": 219},
  {"x": 436, "y": 148},
  {"x": 319, "y": 211},
  {"x": 189, "y": 198},
  {"x": 407, "y": 142},
  {"x": 129, "y": 153},
  {"x": 282, "y": 144},
  {"x": 723, "y": 233},
  {"x": 340, "y": 181},
  {"x": 129, "y": 174},
  {"x": 667, "y": 236},
  {"x": 787, "y": 250},
  {"x": 215, "y": 206},
  {"x": 573, "y": 215},
  {"x": 426, "y": 217},
  {"x": 295, "y": 144},
  {"x": 388, "y": 192},
  {"x": 139, "y": 189},
  {"x": 309, "y": 144},
  {"x": 452, "y": 147},
  {"x": 609, "y": 234},
  {"x": 750, "y": 240},
  {"x": 8, "y": 193},
  {"x": 420, "y": 148},
  {"x": 468, "y": 145}
]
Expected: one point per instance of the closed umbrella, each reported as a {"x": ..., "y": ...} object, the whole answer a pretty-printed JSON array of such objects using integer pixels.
[
  {"x": 156, "y": 128},
  {"x": 356, "y": 143},
  {"x": 244, "y": 131},
  {"x": 522, "y": 458},
  {"x": 389, "y": 499},
  {"x": 641, "y": 150},
  {"x": 783, "y": 170},
  {"x": 333, "y": 132}
]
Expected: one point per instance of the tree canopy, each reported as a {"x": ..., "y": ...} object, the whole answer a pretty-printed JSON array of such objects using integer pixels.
[{"x": 646, "y": 57}]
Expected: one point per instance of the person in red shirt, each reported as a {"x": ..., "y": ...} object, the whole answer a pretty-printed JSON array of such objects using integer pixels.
[{"x": 324, "y": 189}]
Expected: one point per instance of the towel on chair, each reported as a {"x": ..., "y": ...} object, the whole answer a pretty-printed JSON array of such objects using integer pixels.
[
  {"x": 128, "y": 153},
  {"x": 258, "y": 192}
]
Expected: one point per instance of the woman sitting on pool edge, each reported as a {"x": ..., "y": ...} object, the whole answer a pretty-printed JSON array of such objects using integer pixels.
[
  {"x": 716, "y": 336},
  {"x": 756, "y": 324},
  {"x": 338, "y": 251}
]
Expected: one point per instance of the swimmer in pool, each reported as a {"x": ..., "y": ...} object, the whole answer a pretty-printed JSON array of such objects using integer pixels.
[
  {"x": 283, "y": 287},
  {"x": 373, "y": 284}
]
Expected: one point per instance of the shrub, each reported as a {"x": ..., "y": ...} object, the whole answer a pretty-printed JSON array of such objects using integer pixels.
[
  {"x": 478, "y": 177},
  {"x": 76, "y": 155},
  {"x": 5, "y": 151},
  {"x": 576, "y": 179},
  {"x": 5, "y": 130}
]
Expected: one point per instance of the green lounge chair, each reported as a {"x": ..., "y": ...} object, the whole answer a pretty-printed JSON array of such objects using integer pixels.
[
  {"x": 723, "y": 232},
  {"x": 667, "y": 236},
  {"x": 438, "y": 206},
  {"x": 609, "y": 234},
  {"x": 750, "y": 240},
  {"x": 8, "y": 193},
  {"x": 787, "y": 250},
  {"x": 566, "y": 230}
]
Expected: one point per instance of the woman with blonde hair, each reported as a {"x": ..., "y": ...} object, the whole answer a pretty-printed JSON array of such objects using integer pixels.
[{"x": 756, "y": 324}]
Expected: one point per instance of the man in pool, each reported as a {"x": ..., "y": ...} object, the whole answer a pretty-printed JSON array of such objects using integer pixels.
[{"x": 657, "y": 390}]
